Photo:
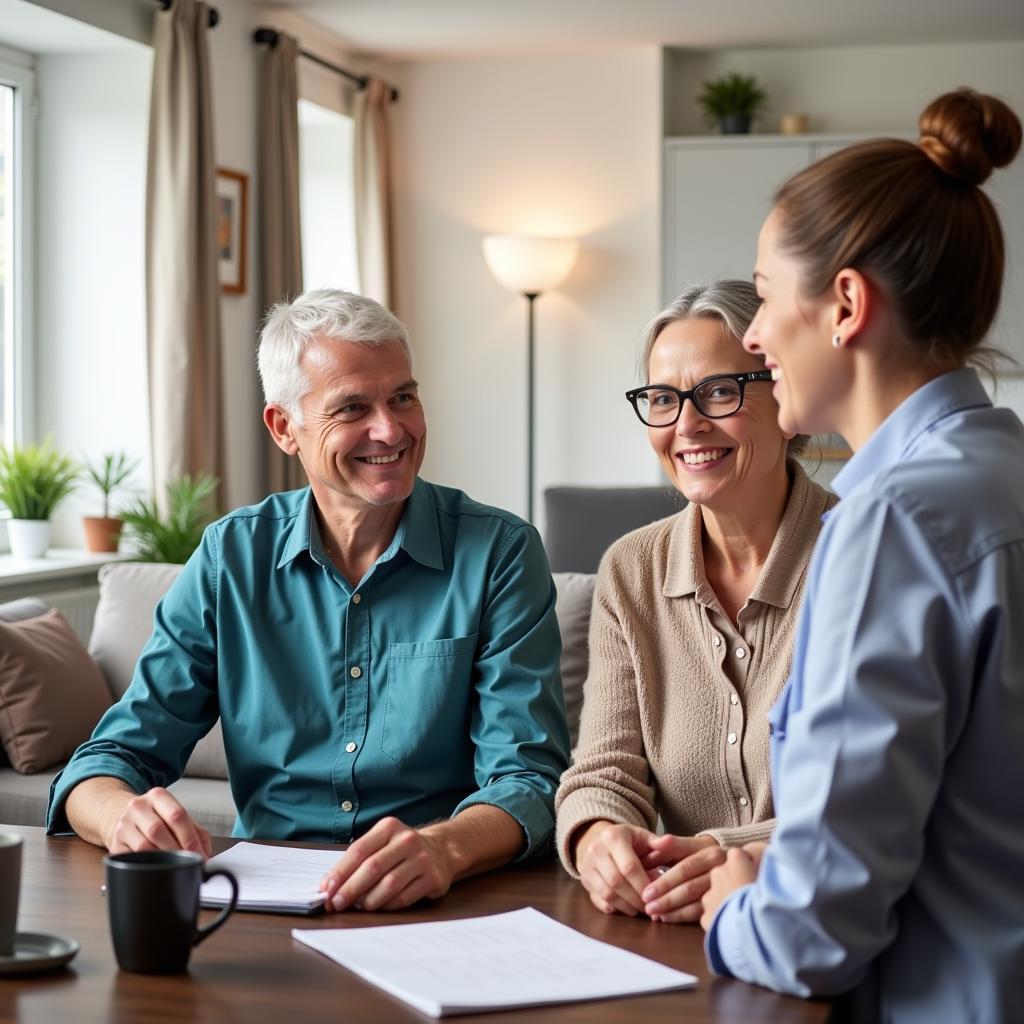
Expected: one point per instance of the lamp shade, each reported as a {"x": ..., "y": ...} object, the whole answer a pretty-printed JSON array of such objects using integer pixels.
[{"x": 530, "y": 265}]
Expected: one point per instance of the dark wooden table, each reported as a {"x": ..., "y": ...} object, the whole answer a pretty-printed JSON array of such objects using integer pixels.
[{"x": 252, "y": 970}]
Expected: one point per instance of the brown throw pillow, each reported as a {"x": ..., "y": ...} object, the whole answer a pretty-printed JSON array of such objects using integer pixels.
[{"x": 51, "y": 693}]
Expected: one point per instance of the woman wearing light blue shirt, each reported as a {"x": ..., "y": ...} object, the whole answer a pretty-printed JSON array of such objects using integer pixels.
[{"x": 896, "y": 870}]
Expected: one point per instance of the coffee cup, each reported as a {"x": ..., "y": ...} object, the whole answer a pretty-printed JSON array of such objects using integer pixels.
[
  {"x": 153, "y": 905},
  {"x": 10, "y": 889}
]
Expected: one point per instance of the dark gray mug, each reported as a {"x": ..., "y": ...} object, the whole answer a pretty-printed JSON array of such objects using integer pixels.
[
  {"x": 153, "y": 904},
  {"x": 10, "y": 889}
]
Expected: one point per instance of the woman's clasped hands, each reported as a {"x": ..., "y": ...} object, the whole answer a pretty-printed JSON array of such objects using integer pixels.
[{"x": 630, "y": 870}]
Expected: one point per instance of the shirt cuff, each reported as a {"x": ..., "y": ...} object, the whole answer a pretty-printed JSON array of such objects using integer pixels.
[
  {"x": 57, "y": 823},
  {"x": 722, "y": 944},
  {"x": 528, "y": 807}
]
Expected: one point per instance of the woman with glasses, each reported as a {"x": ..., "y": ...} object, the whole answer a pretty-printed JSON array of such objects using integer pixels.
[
  {"x": 692, "y": 625},
  {"x": 895, "y": 869}
]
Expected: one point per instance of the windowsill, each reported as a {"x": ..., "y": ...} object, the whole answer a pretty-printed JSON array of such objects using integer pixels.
[{"x": 56, "y": 564}]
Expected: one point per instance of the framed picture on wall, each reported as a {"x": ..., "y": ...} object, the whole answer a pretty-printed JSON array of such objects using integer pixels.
[{"x": 232, "y": 229}]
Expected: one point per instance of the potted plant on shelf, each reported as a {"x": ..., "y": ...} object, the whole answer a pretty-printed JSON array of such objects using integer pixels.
[
  {"x": 109, "y": 474},
  {"x": 174, "y": 536},
  {"x": 34, "y": 480},
  {"x": 732, "y": 102}
]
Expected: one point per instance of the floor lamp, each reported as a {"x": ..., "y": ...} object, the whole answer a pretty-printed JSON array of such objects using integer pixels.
[{"x": 529, "y": 266}]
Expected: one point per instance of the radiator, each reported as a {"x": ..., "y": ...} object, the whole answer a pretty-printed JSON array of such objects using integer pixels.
[{"x": 78, "y": 606}]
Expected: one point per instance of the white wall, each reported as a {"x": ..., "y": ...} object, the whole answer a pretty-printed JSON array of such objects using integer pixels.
[
  {"x": 90, "y": 277},
  {"x": 552, "y": 145}
]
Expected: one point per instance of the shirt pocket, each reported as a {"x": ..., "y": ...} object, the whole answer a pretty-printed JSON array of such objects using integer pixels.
[{"x": 428, "y": 696}]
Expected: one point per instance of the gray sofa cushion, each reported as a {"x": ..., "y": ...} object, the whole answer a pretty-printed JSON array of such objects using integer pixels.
[
  {"x": 24, "y": 799},
  {"x": 572, "y": 606},
  {"x": 25, "y": 608},
  {"x": 129, "y": 594},
  {"x": 581, "y": 522}
]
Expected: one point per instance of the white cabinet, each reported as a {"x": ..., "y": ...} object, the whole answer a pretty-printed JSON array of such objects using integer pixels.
[{"x": 717, "y": 191}]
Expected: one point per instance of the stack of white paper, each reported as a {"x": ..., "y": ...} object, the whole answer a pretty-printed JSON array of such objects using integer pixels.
[
  {"x": 281, "y": 879},
  {"x": 522, "y": 958}
]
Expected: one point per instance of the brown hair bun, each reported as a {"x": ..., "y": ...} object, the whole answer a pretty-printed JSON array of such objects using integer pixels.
[{"x": 967, "y": 134}]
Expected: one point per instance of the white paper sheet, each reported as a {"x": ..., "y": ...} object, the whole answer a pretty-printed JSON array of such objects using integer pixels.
[
  {"x": 522, "y": 958},
  {"x": 275, "y": 878}
]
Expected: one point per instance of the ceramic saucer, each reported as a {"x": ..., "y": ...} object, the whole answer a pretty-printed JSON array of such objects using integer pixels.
[{"x": 35, "y": 952}]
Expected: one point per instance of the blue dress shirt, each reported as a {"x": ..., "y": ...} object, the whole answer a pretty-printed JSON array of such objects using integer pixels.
[
  {"x": 432, "y": 685},
  {"x": 897, "y": 865}
]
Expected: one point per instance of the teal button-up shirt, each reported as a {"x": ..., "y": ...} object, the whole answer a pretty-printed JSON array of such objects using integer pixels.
[{"x": 432, "y": 685}]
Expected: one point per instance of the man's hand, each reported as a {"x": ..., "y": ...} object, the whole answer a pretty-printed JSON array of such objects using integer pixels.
[
  {"x": 389, "y": 868},
  {"x": 674, "y": 895},
  {"x": 610, "y": 860},
  {"x": 155, "y": 821},
  {"x": 739, "y": 870}
]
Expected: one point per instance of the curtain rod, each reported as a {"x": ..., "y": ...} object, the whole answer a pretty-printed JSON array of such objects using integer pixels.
[
  {"x": 270, "y": 37},
  {"x": 213, "y": 18}
]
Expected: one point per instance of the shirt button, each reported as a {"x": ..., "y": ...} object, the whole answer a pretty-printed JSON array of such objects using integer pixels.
[
  {"x": 733, "y": 699},
  {"x": 355, "y": 672},
  {"x": 743, "y": 801},
  {"x": 346, "y": 805},
  {"x": 717, "y": 641},
  {"x": 731, "y": 737},
  {"x": 356, "y": 598},
  {"x": 350, "y": 747},
  {"x": 740, "y": 653}
]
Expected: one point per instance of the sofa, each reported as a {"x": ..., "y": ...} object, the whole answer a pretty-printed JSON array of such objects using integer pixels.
[
  {"x": 581, "y": 523},
  {"x": 129, "y": 592}
]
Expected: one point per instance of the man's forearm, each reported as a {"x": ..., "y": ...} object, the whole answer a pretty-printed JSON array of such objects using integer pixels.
[
  {"x": 480, "y": 838},
  {"x": 94, "y": 804}
]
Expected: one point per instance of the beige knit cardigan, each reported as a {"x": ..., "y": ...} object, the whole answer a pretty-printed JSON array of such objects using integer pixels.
[{"x": 676, "y": 699}]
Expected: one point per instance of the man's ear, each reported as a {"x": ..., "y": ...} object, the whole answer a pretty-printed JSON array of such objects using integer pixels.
[
  {"x": 852, "y": 305},
  {"x": 279, "y": 423}
]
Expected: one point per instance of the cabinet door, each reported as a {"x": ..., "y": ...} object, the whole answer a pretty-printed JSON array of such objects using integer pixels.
[
  {"x": 1006, "y": 190},
  {"x": 716, "y": 199}
]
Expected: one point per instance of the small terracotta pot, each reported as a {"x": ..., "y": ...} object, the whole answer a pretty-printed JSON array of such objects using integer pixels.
[{"x": 102, "y": 534}]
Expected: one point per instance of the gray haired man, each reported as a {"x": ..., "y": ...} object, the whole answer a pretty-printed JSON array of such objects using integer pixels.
[{"x": 382, "y": 652}]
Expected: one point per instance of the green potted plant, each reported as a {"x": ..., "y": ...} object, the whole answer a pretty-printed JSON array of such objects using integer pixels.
[
  {"x": 109, "y": 473},
  {"x": 732, "y": 102},
  {"x": 174, "y": 536},
  {"x": 34, "y": 480}
]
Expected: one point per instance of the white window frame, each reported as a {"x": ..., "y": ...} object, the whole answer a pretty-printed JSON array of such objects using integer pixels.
[{"x": 17, "y": 70}]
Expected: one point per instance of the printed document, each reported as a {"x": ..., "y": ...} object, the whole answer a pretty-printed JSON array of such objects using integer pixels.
[
  {"x": 522, "y": 958},
  {"x": 279, "y": 879}
]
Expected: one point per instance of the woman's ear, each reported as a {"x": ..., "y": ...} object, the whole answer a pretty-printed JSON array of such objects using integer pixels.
[{"x": 852, "y": 305}]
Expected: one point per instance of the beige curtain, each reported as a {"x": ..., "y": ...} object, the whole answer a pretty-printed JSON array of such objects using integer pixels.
[
  {"x": 280, "y": 237},
  {"x": 182, "y": 287},
  {"x": 373, "y": 191}
]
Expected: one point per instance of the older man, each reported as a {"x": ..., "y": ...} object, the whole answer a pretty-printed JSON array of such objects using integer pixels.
[{"x": 382, "y": 652}]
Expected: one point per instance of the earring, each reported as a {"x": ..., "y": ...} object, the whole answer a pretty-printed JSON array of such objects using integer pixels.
[{"x": 836, "y": 340}]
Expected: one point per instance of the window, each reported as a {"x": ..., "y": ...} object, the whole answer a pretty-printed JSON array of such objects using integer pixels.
[
  {"x": 16, "y": 92},
  {"x": 327, "y": 199}
]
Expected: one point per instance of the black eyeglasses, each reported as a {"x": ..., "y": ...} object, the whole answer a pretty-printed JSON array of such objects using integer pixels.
[{"x": 659, "y": 405}]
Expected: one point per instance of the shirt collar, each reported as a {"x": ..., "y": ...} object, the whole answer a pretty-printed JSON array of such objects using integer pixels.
[
  {"x": 420, "y": 531},
  {"x": 299, "y": 533},
  {"x": 419, "y": 534},
  {"x": 914, "y": 417},
  {"x": 786, "y": 560}
]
